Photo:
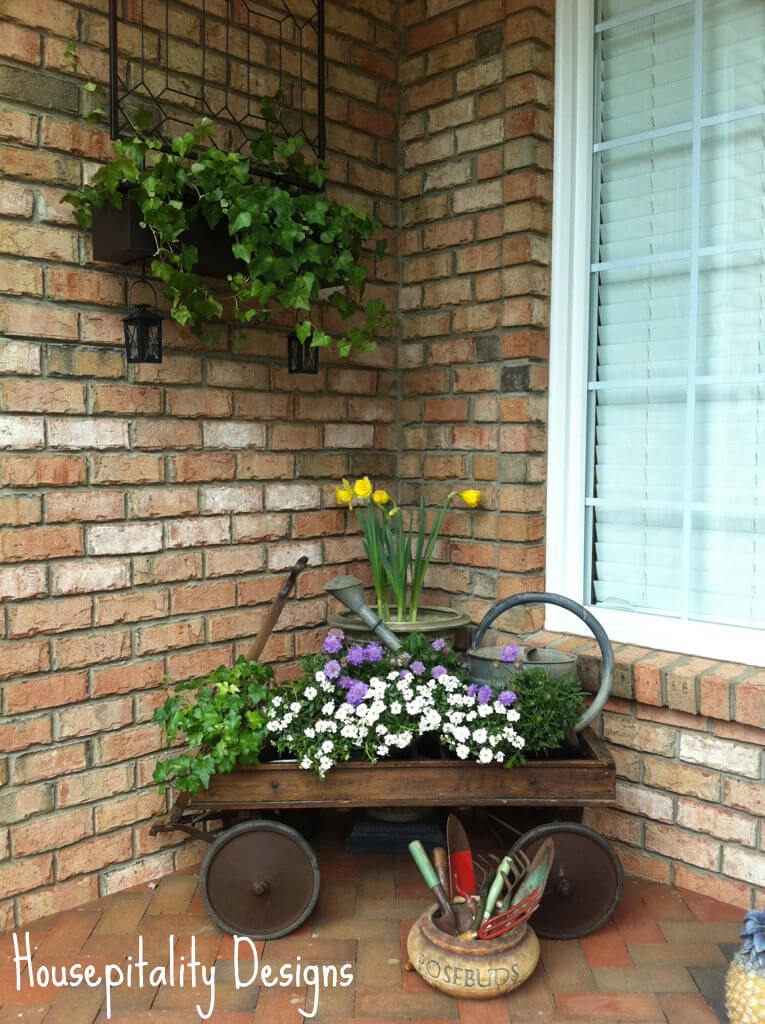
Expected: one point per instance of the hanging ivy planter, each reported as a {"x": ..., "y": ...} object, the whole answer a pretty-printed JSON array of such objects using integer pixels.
[{"x": 194, "y": 211}]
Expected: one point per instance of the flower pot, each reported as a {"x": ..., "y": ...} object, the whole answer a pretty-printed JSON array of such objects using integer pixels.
[
  {"x": 471, "y": 968},
  {"x": 119, "y": 238},
  {"x": 432, "y": 621}
]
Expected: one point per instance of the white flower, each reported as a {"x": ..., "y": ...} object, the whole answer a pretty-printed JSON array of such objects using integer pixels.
[
  {"x": 462, "y": 751},
  {"x": 310, "y": 692},
  {"x": 484, "y": 710},
  {"x": 277, "y": 701},
  {"x": 382, "y": 750},
  {"x": 327, "y": 747},
  {"x": 361, "y": 710},
  {"x": 499, "y": 756},
  {"x": 296, "y": 707},
  {"x": 480, "y": 735},
  {"x": 328, "y": 708},
  {"x": 485, "y": 755},
  {"x": 305, "y": 763},
  {"x": 310, "y": 732},
  {"x": 396, "y": 708},
  {"x": 320, "y": 677},
  {"x": 392, "y": 675}
]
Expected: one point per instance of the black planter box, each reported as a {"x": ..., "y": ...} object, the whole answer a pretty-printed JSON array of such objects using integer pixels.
[{"x": 119, "y": 238}]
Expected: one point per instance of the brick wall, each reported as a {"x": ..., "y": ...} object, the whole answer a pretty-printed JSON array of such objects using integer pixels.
[
  {"x": 146, "y": 515},
  {"x": 475, "y": 190}
]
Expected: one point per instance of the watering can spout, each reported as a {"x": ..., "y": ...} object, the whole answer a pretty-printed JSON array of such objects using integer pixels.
[{"x": 350, "y": 592}]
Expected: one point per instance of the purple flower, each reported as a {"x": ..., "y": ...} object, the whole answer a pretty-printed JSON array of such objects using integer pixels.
[
  {"x": 472, "y": 690},
  {"x": 356, "y": 655},
  {"x": 345, "y": 682},
  {"x": 507, "y": 697},
  {"x": 510, "y": 653},
  {"x": 439, "y": 644},
  {"x": 332, "y": 669},
  {"x": 373, "y": 652},
  {"x": 417, "y": 668},
  {"x": 484, "y": 695},
  {"x": 357, "y": 693},
  {"x": 437, "y": 670},
  {"x": 333, "y": 642},
  {"x": 405, "y": 657}
]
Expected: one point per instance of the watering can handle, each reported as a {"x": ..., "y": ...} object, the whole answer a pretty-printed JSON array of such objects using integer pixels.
[{"x": 607, "y": 654}]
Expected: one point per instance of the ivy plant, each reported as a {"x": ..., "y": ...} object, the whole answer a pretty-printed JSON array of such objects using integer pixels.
[
  {"x": 221, "y": 717},
  {"x": 290, "y": 239}
]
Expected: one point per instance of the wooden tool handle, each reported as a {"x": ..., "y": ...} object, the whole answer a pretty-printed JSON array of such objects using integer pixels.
[
  {"x": 266, "y": 627},
  {"x": 441, "y": 864}
]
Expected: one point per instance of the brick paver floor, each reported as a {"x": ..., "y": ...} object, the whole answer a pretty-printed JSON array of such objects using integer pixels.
[{"x": 660, "y": 959}]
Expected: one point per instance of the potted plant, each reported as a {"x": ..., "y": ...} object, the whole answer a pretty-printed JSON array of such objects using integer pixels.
[
  {"x": 192, "y": 209},
  {"x": 221, "y": 717},
  {"x": 356, "y": 697},
  {"x": 357, "y": 701},
  {"x": 399, "y": 547}
]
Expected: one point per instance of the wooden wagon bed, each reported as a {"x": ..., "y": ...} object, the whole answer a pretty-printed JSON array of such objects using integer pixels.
[{"x": 589, "y": 779}]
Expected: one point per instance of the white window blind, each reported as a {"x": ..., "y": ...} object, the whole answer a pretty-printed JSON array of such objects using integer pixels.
[{"x": 675, "y": 479}]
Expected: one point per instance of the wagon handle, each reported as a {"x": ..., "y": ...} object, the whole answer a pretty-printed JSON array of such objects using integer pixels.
[
  {"x": 257, "y": 645},
  {"x": 607, "y": 654}
]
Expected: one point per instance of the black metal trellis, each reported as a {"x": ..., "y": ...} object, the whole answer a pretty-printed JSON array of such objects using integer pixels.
[{"x": 184, "y": 59}]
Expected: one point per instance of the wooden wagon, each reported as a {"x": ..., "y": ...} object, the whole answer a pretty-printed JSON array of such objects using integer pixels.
[{"x": 261, "y": 878}]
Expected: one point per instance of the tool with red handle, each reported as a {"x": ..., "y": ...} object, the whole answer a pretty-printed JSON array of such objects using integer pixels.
[{"x": 461, "y": 870}]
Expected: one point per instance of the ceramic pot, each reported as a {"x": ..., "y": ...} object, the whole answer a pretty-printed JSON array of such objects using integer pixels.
[{"x": 471, "y": 968}]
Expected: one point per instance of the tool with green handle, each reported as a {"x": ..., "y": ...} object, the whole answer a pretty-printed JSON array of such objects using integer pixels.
[
  {"x": 445, "y": 921},
  {"x": 496, "y": 887}
]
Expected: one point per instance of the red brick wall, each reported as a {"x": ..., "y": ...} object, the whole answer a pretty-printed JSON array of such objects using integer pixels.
[
  {"x": 146, "y": 515},
  {"x": 475, "y": 191}
]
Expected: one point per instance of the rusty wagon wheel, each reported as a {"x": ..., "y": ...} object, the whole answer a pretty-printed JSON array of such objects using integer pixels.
[
  {"x": 585, "y": 882},
  {"x": 260, "y": 879}
]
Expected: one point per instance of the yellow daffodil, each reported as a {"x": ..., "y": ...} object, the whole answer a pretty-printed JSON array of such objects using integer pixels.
[
  {"x": 381, "y": 497},
  {"x": 394, "y": 511},
  {"x": 471, "y": 498},
  {"x": 363, "y": 488},
  {"x": 344, "y": 494}
]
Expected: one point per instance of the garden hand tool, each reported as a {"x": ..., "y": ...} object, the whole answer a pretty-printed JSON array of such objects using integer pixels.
[
  {"x": 441, "y": 864},
  {"x": 505, "y": 922},
  {"x": 446, "y": 920},
  {"x": 496, "y": 887},
  {"x": 536, "y": 876},
  {"x": 461, "y": 870},
  {"x": 519, "y": 867},
  {"x": 266, "y": 627},
  {"x": 464, "y": 911}
]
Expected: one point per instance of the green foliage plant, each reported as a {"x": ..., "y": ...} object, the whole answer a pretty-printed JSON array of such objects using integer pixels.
[
  {"x": 547, "y": 705},
  {"x": 221, "y": 717},
  {"x": 289, "y": 238}
]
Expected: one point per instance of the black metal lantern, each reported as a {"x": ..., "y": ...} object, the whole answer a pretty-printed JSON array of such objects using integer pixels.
[
  {"x": 302, "y": 357},
  {"x": 143, "y": 330}
]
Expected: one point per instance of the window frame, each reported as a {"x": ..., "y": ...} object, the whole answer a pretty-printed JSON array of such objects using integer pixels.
[{"x": 570, "y": 307}]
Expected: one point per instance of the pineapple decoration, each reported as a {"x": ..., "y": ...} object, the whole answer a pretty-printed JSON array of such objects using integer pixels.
[{"x": 745, "y": 984}]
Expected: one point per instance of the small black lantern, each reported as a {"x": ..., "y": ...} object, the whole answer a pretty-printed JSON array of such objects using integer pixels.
[
  {"x": 143, "y": 330},
  {"x": 302, "y": 357}
]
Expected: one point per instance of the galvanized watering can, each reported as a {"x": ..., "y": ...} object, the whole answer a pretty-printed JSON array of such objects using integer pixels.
[{"x": 486, "y": 663}]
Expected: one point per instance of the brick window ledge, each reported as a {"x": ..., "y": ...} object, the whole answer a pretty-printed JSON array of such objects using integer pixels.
[{"x": 688, "y": 739}]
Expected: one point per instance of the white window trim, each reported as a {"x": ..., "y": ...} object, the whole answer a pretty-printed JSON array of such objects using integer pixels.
[{"x": 569, "y": 340}]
